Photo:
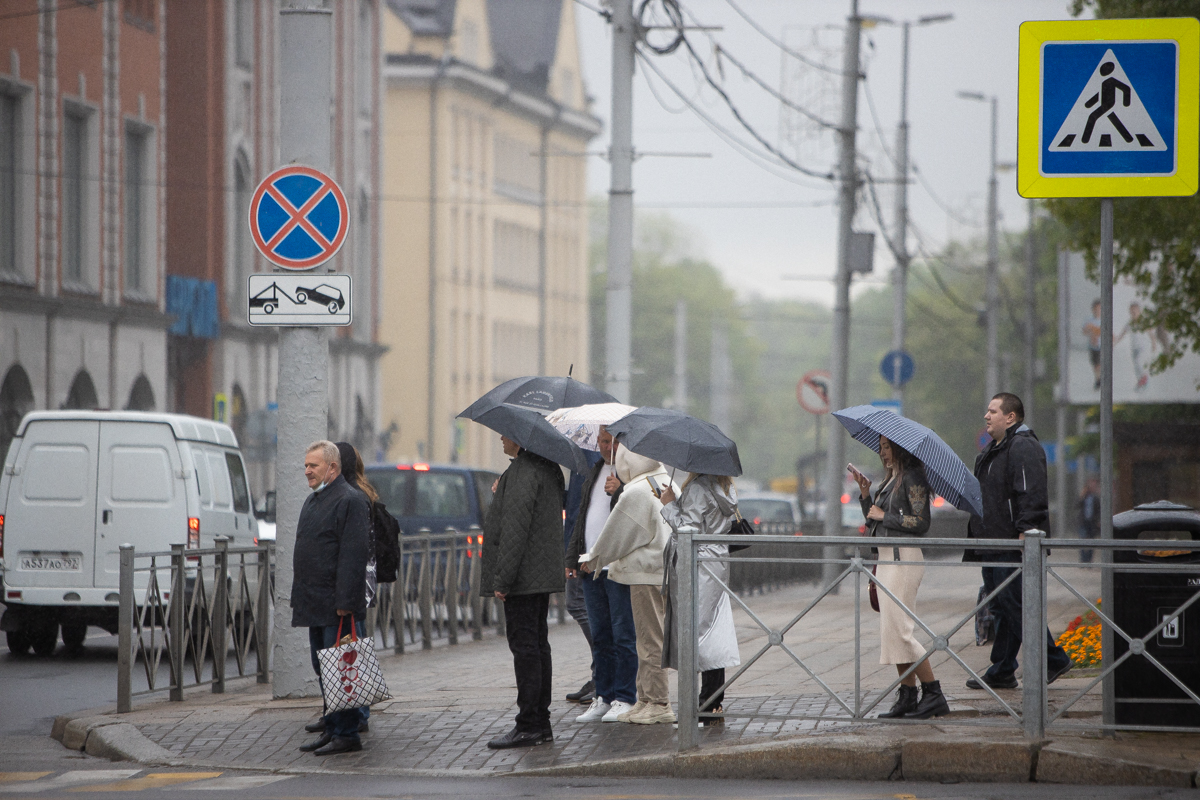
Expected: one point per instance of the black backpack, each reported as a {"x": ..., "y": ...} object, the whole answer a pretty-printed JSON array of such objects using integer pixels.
[{"x": 385, "y": 538}]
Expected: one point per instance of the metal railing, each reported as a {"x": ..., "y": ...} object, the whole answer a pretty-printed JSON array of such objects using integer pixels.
[
  {"x": 766, "y": 567},
  {"x": 190, "y": 606},
  {"x": 1034, "y": 568}
]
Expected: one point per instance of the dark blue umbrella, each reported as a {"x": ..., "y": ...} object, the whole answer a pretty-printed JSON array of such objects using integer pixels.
[
  {"x": 530, "y": 429},
  {"x": 544, "y": 393},
  {"x": 948, "y": 475},
  {"x": 678, "y": 440}
]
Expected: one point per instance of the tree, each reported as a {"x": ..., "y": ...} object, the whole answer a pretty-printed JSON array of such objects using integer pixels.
[{"x": 1155, "y": 237}]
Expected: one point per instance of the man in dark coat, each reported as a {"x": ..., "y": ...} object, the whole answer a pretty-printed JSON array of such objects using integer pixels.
[
  {"x": 522, "y": 566},
  {"x": 329, "y": 569},
  {"x": 1012, "y": 476}
]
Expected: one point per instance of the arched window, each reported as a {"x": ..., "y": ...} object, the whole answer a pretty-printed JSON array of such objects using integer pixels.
[
  {"x": 16, "y": 400},
  {"x": 141, "y": 396},
  {"x": 242, "y": 257},
  {"x": 83, "y": 393}
]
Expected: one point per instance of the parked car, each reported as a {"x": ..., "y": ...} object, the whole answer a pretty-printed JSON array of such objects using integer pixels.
[
  {"x": 264, "y": 512},
  {"x": 433, "y": 496},
  {"x": 78, "y": 484},
  {"x": 760, "y": 507}
]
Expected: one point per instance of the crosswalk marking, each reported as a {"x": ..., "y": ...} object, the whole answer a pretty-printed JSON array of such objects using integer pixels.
[
  {"x": 73, "y": 778},
  {"x": 233, "y": 783},
  {"x": 153, "y": 780},
  {"x": 13, "y": 777}
]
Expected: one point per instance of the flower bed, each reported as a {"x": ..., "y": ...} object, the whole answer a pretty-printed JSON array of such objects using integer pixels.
[{"x": 1081, "y": 639}]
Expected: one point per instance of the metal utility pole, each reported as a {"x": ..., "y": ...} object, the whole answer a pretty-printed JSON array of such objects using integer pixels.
[
  {"x": 900, "y": 245},
  {"x": 992, "y": 291},
  {"x": 720, "y": 378},
  {"x": 306, "y": 65},
  {"x": 618, "y": 338},
  {"x": 839, "y": 355},
  {"x": 1030, "y": 312},
  {"x": 680, "y": 400},
  {"x": 1060, "y": 411}
]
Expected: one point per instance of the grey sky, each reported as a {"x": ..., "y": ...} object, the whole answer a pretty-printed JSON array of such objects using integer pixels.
[{"x": 755, "y": 246}]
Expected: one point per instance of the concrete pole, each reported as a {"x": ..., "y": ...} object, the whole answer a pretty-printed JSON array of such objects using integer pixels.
[
  {"x": 993, "y": 278},
  {"x": 1106, "y": 449},
  {"x": 720, "y": 378},
  {"x": 619, "y": 311},
  {"x": 1060, "y": 412},
  {"x": 306, "y": 63},
  {"x": 900, "y": 275},
  {"x": 835, "y": 467},
  {"x": 1030, "y": 312},
  {"x": 680, "y": 400}
]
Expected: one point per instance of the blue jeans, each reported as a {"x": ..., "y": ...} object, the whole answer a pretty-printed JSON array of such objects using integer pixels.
[
  {"x": 343, "y": 724},
  {"x": 577, "y": 608},
  {"x": 1006, "y": 610},
  {"x": 614, "y": 643}
]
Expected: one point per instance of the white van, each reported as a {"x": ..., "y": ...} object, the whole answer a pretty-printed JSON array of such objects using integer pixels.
[{"x": 78, "y": 484}]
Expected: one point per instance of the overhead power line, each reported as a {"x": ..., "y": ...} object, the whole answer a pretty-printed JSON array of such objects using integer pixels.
[{"x": 767, "y": 35}]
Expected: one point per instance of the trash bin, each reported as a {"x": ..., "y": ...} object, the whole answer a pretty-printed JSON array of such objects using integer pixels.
[{"x": 1141, "y": 600}]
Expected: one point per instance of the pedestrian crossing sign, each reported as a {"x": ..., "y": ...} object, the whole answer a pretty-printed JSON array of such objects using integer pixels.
[{"x": 1109, "y": 108}]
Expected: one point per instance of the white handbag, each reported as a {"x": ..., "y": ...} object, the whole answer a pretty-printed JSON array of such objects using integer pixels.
[{"x": 350, "y": 673}]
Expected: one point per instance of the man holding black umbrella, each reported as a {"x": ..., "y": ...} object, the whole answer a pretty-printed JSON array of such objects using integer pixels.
[{"x": 522, "y": 566}]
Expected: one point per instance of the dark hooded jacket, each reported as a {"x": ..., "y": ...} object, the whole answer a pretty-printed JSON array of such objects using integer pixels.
[
  {"x": 329, "y": 565},
  {"x": 1012, "y": 479},
  {"x": 522, "y": 533}
]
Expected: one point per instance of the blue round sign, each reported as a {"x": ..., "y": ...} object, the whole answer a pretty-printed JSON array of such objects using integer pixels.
[
  {"x": 298, "y": 217},
  {"x": 897, "y": 367}
]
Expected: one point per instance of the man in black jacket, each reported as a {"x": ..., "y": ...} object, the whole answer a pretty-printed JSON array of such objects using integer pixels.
[
  {"x": 1012, "y": 476},
  {"x": 522, "y": 548},
  {"x": 329, "y": 569}
]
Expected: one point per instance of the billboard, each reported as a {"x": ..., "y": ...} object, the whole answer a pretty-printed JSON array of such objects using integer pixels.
[{"x": 1133, "y": 351}]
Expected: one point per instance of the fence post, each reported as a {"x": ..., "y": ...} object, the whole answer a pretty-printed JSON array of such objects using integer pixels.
[
  {"x": 425, "y": 592},
  {"x": 475, "y": 562},
  {"x": 220, "y": 613},
  {"x": 125, "y": 632},
  {"x": 1033, "y": 639},
  {"x": 685, "y": 577},
  {"x": 452, "y": 585},
  {"x": 175, "y": 615},
  {"x": 262, "y": 613},
  {"x": 400, "y": 601}
]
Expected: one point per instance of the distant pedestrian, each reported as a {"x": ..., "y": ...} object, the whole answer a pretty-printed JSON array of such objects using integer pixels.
[
  {"x": 522, "y": 548},
  {"x": 900, "y": 508},
  {"x": 631, "y": 547},
  {"x": 1089, "y": 516},
  {"x": 576, "y": 603},
  {"x": 329, "y": 574},
  {"x": 1012, "y": 477},
  {"x": 707, "y": 503},
  {"x": 609, "y": 603}
]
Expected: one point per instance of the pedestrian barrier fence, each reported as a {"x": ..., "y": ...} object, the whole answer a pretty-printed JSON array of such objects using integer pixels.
[
  {"x": 1040, "y": 565},
  {"x": 188, "y": 606},
  {"x": 766, "y": 566}
]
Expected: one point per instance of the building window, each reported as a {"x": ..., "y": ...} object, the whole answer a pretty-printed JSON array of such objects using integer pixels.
[
  {"x": 82, "y": 395},
  {"x": 74, "y": 196},
  {"x": 10, "y": 148},
  {"x": 242, "y": 260},
  {"x": 517, "y": 169},
  {"x": 515, "y": 256},
  {"x": 243, "y": 32},
  {"x": 137, "y": 225},
  {"x": 514, "y": 350}
]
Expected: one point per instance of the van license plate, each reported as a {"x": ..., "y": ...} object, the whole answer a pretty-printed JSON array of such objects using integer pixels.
[{"x": 52, "y": 563}]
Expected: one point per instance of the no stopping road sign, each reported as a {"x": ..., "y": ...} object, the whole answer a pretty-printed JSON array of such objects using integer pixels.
[{"x": 298, "y": 217}]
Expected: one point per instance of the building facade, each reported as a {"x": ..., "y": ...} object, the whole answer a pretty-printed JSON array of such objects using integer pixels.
[
  {"x": 485, "y": 128},
  {"x": 82, "y": 222},
  {"x": 223, "y": 98}
]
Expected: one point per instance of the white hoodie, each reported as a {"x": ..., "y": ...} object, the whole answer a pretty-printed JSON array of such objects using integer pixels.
[{"x": 631, "y": 544}]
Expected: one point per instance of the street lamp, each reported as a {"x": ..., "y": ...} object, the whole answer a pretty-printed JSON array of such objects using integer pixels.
[{"x": 992, "y": 295}]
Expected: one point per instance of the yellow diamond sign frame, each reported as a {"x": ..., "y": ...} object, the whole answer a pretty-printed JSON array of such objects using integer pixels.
[{"x": 1109, "y": 108}]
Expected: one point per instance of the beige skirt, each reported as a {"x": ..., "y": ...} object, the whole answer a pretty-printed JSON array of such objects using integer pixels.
[{"x": 897, "y": 645}]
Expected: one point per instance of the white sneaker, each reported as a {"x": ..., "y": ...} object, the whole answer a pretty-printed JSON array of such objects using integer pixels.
[
  {"x": 595, "y": 712},
  {"x": 615, "y": 710}
]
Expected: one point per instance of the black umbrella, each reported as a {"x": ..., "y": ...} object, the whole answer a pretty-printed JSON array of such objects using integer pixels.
[
  {"x": 541, "y": 393},
  {"x": 530, "y": 429},
  {"x": 678, "y": 440}
]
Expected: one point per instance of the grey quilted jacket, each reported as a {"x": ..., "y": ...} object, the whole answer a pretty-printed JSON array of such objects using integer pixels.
[{"x": 522, "y": 533}]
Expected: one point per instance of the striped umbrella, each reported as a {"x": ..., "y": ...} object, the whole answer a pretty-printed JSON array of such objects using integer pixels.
[{"x": 947, "y": 473}]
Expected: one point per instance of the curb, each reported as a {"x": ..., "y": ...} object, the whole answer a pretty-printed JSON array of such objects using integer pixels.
[{"x": 939, "y": 760}]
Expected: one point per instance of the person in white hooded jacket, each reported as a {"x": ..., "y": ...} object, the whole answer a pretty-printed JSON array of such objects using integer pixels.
[{"x": 631, "y": 546}]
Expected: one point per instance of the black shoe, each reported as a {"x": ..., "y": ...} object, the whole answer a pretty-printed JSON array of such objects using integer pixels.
[
  {"x": 996, "y": 683},
  {"x": 933, "y": 702},
  {"x": 364, "y": 727},
  {"x": 339, "y": 745},
  {"x": 547, "y": 736},
  {"x": 906, "y": 703},
  {"x": 713, "y": 722},
  {"x": 316, "y": 727},
  {"x": 586, "y": 694},
  {"x": 516, "y": 738},
  {"x": 317, "y": 744},
  {"x": 1054, "y": 675}
]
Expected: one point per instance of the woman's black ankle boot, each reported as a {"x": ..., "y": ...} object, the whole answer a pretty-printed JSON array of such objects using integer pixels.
[
  {"x": 906, "y": 703},
  {"x": 933, "y": 702}
]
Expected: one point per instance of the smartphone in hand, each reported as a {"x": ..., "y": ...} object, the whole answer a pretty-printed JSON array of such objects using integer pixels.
[
  {"x": 858, "y": 476},
  {"x": 654, "y": 487}
]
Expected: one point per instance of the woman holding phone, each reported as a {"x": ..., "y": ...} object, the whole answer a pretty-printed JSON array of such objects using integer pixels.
[{"x": 900, "y": 508}]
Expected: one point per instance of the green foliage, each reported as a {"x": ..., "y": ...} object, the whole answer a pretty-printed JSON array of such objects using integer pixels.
[{"x": 1155, "y": 237}]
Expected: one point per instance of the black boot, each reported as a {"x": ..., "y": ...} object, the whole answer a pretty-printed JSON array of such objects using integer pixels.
[
  {"x": 933, "y": 702},
  {"x": 906, "y": 703}
]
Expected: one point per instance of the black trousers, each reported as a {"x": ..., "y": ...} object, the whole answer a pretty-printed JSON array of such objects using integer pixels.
[
  {"x": 710, "y": 681},
  {"x": 528, "y": 639}
]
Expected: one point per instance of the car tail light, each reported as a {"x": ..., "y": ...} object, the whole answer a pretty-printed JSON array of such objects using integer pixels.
[
  {"x": 758, "y": 520},
  {"x": 421, "y": 467},
  {"x": 193, "y": 540},
  {"x": 845, "y": 498},
  {"x": 938, "y": 502},
  {"x": 1, "y": 536},
  {"x": 12, "y": 595},
  {"x": 404, "y": 466}
]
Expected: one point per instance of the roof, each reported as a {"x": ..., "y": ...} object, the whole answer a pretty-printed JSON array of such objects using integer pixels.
[
  {"x": 185, "y": 427},
  {"x": 425, "y": 17},
  {"x": 524, "y": 36}
]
